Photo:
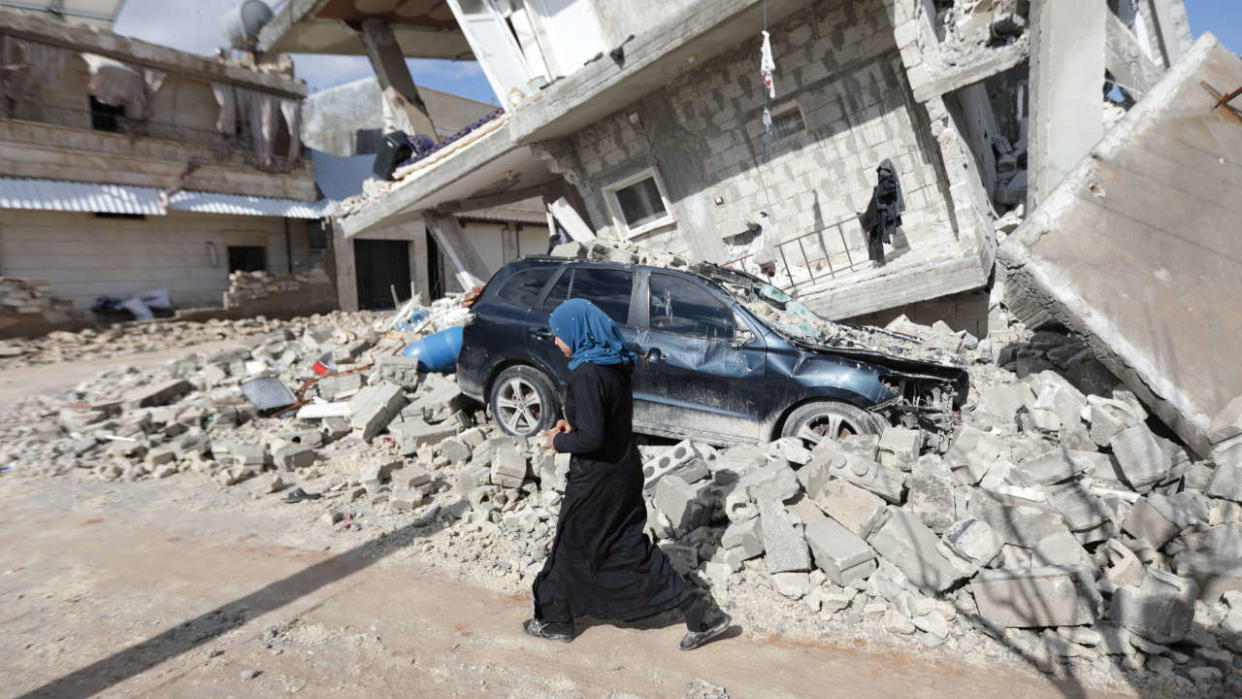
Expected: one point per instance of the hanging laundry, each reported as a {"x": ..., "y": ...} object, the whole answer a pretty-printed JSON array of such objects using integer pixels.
[
  {"x": 226, "y": 122},
  {"x": 883, "y": 214},
  {"x": 767, "y": 66}
]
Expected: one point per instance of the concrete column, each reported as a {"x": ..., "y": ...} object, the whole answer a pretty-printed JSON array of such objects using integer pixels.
[
  {"x": 467, "y": 265},
  {"x": 405, "y": 106},
  {"x": 421, "y": 275},
  {"x": 1173, "y": 28},
  {"x": 509, "y": 243},
  {"x": 346, "y": 269},
  {"x": 1067, "y": 90},
  {"x": 1127, "y": 61}
]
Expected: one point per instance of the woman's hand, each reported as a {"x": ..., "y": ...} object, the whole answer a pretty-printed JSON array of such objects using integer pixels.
[{"x": 561, "y": 427}]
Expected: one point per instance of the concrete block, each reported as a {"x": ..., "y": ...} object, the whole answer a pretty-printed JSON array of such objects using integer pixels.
[
  {"x": 1215, "y": 574},
  {"x": 1124, "y": 568},
  {"x": 1052, "y": 466},
  {"x": 908, "y": 544},
  {"x": 1109, "y": 417},
  {"x": 973, "y": 452},
  {"x": 682, "y": 459},
  {"x": 834, "y": 459},
  {"x": 1020, "y": 525},
  {"x": 455, "y": 450},
  {"x": 974, "y": 540},
  {"x": 1002, "y": 401},
  {"x": 160, "y": 393},
  {"x": 1160, "y": 610},
  {"x": 1226, "y": 480},
  {"x": 248, "y": 454},
  {"x": 790, "y": 449},
  {"x": 1061, "y": 549},
  {"x": 399, "y": 370},
  {"x": 679, "y": 501},
  {"x": 410, "y": 476},
  {"x": 785, "y": 548},
  {"x": 340, "y": 387},
  {"x": 858, "y": 510},
  {"x": 336, "y": 427},
  {"x": 1142, "y": 461},
  {"x": 293, "y": 456},
  {"x": 931, "y": 493},
  {"x": 840, "y": 553},
  {"x": 473, "y": 476},
  {"x": 374, "y": 407},
  {"x": 774, "y": 482},
  {"x": 508, "y": 467},
  {"x": 1033, "y": 597},
  {"x": 414, "y": 433},
  {"x": 405, "y": 499},
  {"x": 1081, "y": 509},
  {"x": 744, "y": 537},
  {"x": 1149, "y": 524},
  {"x": 899, "y": 447}
]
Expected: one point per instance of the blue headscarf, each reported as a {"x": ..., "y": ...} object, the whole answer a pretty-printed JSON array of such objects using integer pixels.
[{"x": 590, "y": 334}]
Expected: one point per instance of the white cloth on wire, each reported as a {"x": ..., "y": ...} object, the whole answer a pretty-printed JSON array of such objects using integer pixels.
[{"x": 767, "y": 66}]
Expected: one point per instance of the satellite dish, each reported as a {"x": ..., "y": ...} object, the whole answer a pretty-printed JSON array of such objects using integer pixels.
[{"x": 242, "y": 23}]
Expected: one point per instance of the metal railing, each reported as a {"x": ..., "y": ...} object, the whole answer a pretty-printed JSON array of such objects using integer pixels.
[{"x": 808, "y": 258}]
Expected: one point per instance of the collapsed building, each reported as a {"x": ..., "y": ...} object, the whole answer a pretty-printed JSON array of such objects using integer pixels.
[{"x": 649, "y": 126}]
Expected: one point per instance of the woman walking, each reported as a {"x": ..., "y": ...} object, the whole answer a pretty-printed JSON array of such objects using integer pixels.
[{"x": 601, "y": 562}]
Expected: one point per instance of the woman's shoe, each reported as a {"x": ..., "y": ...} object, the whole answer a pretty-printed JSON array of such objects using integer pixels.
[
  {"x": 551, "y": 631},
  {"x": 694, "y": 639}
]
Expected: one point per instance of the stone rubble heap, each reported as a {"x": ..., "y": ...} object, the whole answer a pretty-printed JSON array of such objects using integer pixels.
[
  {"x": 31, "y": 296},
  {"x": 1057, "y": 522},
  {"x": 250, "y": 286},
  {"x": 124, "y": 339}
]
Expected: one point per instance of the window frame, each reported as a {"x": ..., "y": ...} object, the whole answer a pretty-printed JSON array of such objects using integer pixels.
[
  {"x": 734, "y": 318},
  {"x": 614, "y": 204},
  {"x": 789, "y": 107}
]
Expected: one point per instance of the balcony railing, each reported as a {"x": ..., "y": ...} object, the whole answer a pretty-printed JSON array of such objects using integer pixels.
[{"x": 808, "y": 259}]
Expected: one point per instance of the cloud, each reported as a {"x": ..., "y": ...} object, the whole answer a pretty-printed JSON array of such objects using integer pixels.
[
  {"x": 323, "y": 71},
  {"x": 449, "y": 70},
  {"x": 188, "y": 25}
]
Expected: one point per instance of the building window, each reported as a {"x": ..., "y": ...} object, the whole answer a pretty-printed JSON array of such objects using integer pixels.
[
  {"x": 105, "y": 117},
  {"x": 639, "y": 204},
  {"x": 787, "y": 120},
  {"x": 247, "y": 258}
]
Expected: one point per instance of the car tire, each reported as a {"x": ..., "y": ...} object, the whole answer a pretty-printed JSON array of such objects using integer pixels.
[
  {"x": 523, "y": 401},
  {"x": 813, "y": 421}
]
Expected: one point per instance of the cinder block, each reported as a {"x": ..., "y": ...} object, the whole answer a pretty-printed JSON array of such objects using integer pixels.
[
  {"x": 508, "y": 467},
  {"x": 293, "y": 456},
  {"x": 744, "y": 537},
  {"x": 679, "y": 501},
  {"x": 1142, "y": 461},
  {"x": 785, "y": 548},
  {"x": 858, "y": 510},
  {"x": 1160, "y": 610},
  {"x": 840, "y": 553},
  {"x": 161, "y": 393},
  {"x": 374, "y": 407}
]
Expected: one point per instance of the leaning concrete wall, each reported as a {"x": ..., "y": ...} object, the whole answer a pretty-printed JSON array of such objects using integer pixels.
[
  {"x": 85, "y": 256},
  {"x": 1138, "y": 249},
  {"x": 838, "y": 64}
]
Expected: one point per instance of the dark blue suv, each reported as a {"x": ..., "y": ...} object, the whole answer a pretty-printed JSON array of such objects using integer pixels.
[{"x": 723, "y": 357}]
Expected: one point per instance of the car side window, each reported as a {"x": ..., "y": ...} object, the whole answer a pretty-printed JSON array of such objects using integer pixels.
[
  {"x": 683, "y": 307},
  {"x": 522, "y": 289},
  {"x": 559, "y": 292},
  {"x": 607, "y": 288}
]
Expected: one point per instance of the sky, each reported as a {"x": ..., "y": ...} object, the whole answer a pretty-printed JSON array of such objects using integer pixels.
[{"x": 194, "y": 25}]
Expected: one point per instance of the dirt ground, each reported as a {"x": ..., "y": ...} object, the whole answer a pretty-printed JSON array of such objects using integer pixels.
[{"x": 177, "y": 587}]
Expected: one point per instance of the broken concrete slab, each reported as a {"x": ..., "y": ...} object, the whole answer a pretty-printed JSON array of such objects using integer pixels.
[
  {"x": 508, "y": 466},
  {"x": 858, "y": 510},
  {"x": 833, "y": 459},
  {"x": 159, "y": 393},
  {"x": 679, "y": 501},
  {"x": 1149, "y": 200},
  {"x": 1161, "y": 609},
  {"x": 840, "y": 553},
  {"x": 973, "y": 540},
  {"x": 374, "y": 407},
  {"x": 973, "y": 452},
  {"x": 899, "y": 447},
  {"x": 908, "y": 544},
  {"x": 1142, "y": 460},
  {"x": 744, "y": 537},
  {"x": 1034, "y": 597},
  {"x": 931, "y": 493},
  {"x": 785, "y": 548}
]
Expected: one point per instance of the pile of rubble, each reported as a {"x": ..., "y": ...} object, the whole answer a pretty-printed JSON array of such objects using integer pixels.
[
  {"x": 251, "y": 286},
  {"x": 137, "y": 337},
  {"x": 1056, "y": 521},
  {"x": 34, "y": 296}
]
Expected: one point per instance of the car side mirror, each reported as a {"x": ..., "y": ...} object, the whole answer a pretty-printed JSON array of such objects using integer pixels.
[{"x": 741, "y": 338}]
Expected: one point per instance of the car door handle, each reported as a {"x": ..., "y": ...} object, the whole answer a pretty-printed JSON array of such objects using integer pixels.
[{"x": 541, "y": 334}]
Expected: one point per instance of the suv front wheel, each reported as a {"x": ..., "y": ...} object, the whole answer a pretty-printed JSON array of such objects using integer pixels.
[
  {"x": 523, "y": 401},
  {"x": 815, "y": 421}
]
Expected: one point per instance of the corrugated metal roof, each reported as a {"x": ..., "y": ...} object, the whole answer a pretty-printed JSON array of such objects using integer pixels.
[
  {"x": 61, "y": 195},
  {"x": 240, "y": 205}
]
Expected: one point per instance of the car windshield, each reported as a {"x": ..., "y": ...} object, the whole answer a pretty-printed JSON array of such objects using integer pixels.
[{"x": 791, "y": 319}]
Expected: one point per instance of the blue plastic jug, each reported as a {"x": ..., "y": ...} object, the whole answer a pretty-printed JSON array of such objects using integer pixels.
[{"x": 436, "y": 352}]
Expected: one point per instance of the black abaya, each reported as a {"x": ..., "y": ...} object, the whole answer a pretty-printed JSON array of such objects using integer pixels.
[{"x": 601, "y": 562}]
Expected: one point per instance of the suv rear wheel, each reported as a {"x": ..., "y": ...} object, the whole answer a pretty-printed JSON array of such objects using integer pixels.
[
  {"x": 523, "y": 401},
  {"x": 815, "y": 421}
]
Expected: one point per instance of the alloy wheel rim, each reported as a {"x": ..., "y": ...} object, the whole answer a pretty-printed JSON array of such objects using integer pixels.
[{"x": 518, "y": 406}]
